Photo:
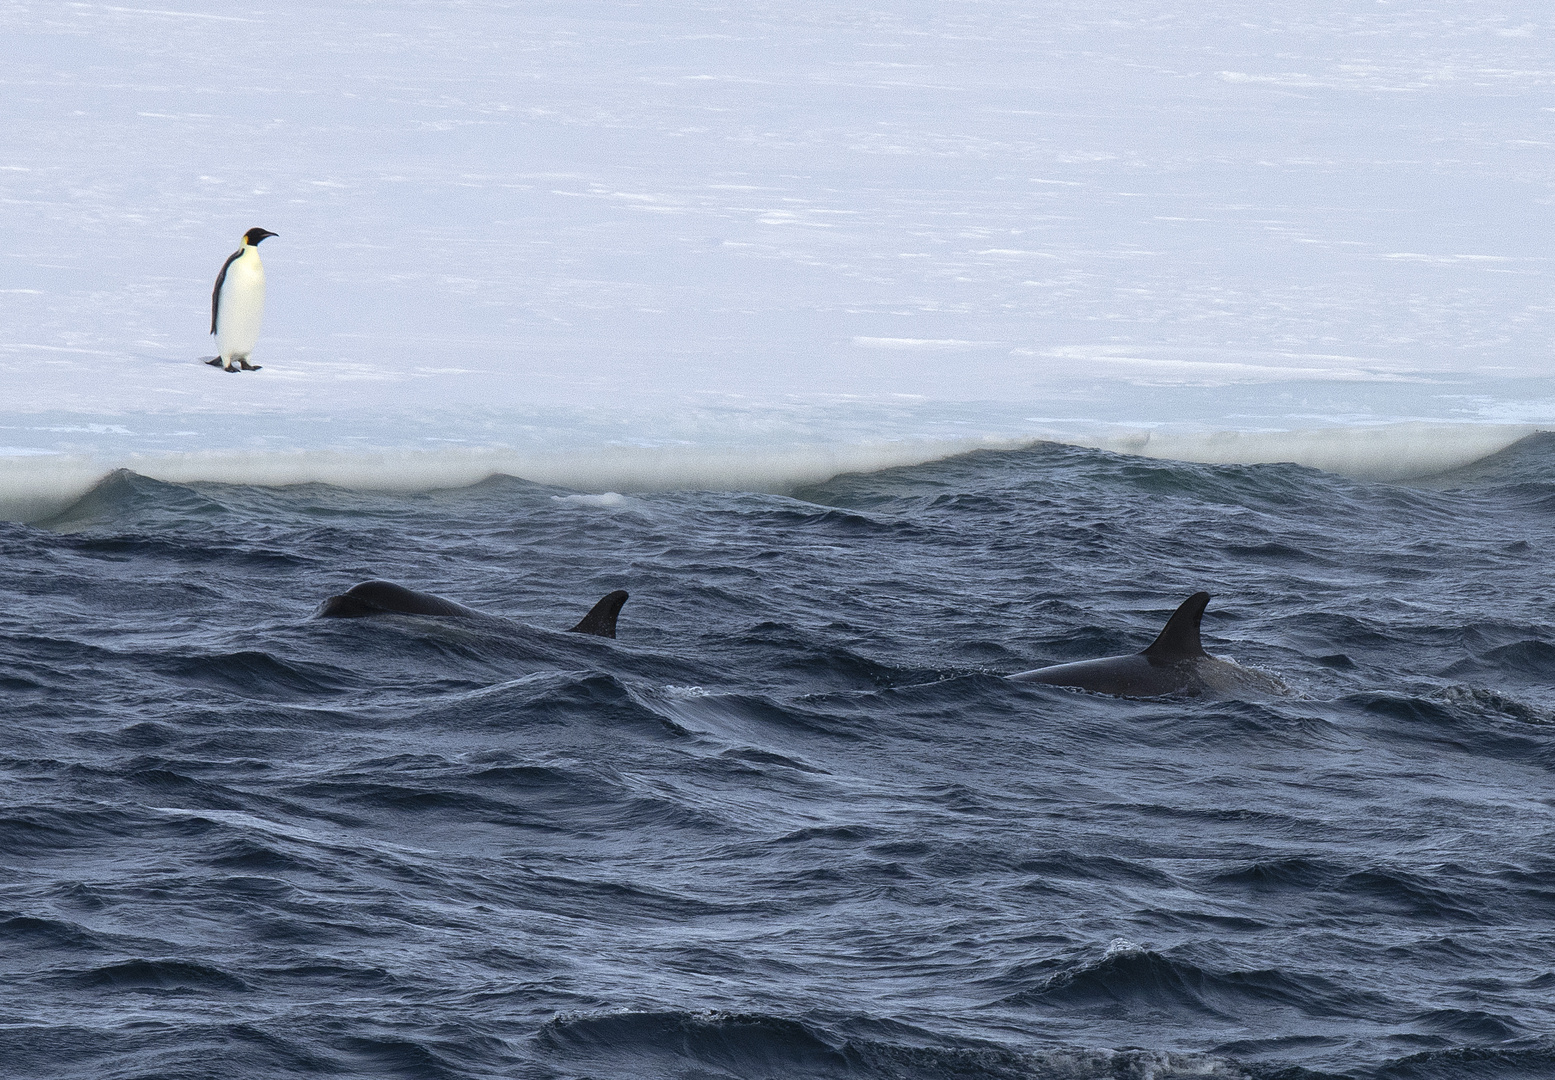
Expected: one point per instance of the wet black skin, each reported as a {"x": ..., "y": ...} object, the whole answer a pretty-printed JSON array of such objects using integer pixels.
[
  {"x": 387, "y": 598},
  {"x": 1166, "y": 667}
]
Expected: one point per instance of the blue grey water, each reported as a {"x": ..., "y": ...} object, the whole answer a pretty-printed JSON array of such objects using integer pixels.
[{"x": 792, "y": 822}]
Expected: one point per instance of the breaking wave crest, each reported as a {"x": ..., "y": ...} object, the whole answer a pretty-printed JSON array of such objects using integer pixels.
[{"x": 38, "y": 486}]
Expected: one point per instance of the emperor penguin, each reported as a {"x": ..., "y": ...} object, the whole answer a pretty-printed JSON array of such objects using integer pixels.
[{"x": 238, "y": 304}]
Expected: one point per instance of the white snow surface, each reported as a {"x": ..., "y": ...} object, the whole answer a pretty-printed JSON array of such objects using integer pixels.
[{"x": 623, "y": 245}]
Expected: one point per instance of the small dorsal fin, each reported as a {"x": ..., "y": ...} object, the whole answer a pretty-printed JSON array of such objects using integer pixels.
[
  {"x": 601, "y": 619},
  {"x": 1180, "y": 639}
]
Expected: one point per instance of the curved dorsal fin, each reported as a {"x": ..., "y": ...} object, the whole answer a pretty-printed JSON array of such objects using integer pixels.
[
  {"x": 601, "y": 619},
  {"x": 1180, "y": 639}
]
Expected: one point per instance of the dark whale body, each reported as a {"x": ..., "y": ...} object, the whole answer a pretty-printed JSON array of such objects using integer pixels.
[
  {"x": 1171, "y": 665},
  {"x": 387, "y": 598}
]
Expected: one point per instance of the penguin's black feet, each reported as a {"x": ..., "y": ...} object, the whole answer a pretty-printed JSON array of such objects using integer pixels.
[
  {"x": 246, "y": 365},
  {"x": 214, "y": 361},
  {"x": 232, "y": 369}
]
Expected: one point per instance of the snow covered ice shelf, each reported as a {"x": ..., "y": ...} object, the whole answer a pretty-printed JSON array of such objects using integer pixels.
[{"x": 772, "y": 229}]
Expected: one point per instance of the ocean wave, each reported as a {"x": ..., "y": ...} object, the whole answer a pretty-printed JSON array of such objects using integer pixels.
[
  {"x": 166, "y": 976},
  {"x": 1130, "y": 979},
  {"x": 1522, "y": 1059},
  {"x": 679, "y": 1044},
  {"x": 37, "y": 487},
  {"x": 796, "y": 788},
  {"x": 1372, "y": 452}
]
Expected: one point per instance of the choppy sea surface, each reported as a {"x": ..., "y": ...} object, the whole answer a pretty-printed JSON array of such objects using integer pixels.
[{"x": 792, "y": 822}]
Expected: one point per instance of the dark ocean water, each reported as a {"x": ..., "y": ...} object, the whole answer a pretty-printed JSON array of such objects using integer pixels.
[{"x": 792, "y": 823}]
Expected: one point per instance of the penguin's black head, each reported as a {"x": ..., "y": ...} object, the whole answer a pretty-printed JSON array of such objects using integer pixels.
[{"x": 253, "y": 236}]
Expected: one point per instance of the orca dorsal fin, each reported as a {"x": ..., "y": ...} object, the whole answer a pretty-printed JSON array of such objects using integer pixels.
[
  {"x": 1180, "y": 638},
  {"x": 601, "y": 619}
]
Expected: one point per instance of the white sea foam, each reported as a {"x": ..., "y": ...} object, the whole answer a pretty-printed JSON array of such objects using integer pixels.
[{"x": 1120, "y": 946}]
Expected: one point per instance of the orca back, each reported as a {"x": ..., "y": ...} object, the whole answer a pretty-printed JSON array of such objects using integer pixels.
[
  {"x": 380, "y": 597},
  {"x": 385, "y": 597}
]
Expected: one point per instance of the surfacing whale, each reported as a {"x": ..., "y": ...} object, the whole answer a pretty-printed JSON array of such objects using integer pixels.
[
  {"x": 1175, "y": 663},
  {"x": 387, "y": 598}
]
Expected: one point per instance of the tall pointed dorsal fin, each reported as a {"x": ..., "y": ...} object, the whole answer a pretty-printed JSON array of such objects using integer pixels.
[
  {"x": 601, "y": 619},
  {"x": 1180, "y": 639}
]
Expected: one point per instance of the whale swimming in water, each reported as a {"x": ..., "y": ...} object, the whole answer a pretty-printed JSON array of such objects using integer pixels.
[
  {"x": 1175, "y": 663},
  {"x": 387, "y": 598}
]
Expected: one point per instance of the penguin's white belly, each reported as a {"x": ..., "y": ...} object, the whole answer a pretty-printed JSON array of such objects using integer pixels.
[{"x": 241, "y": 307}]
